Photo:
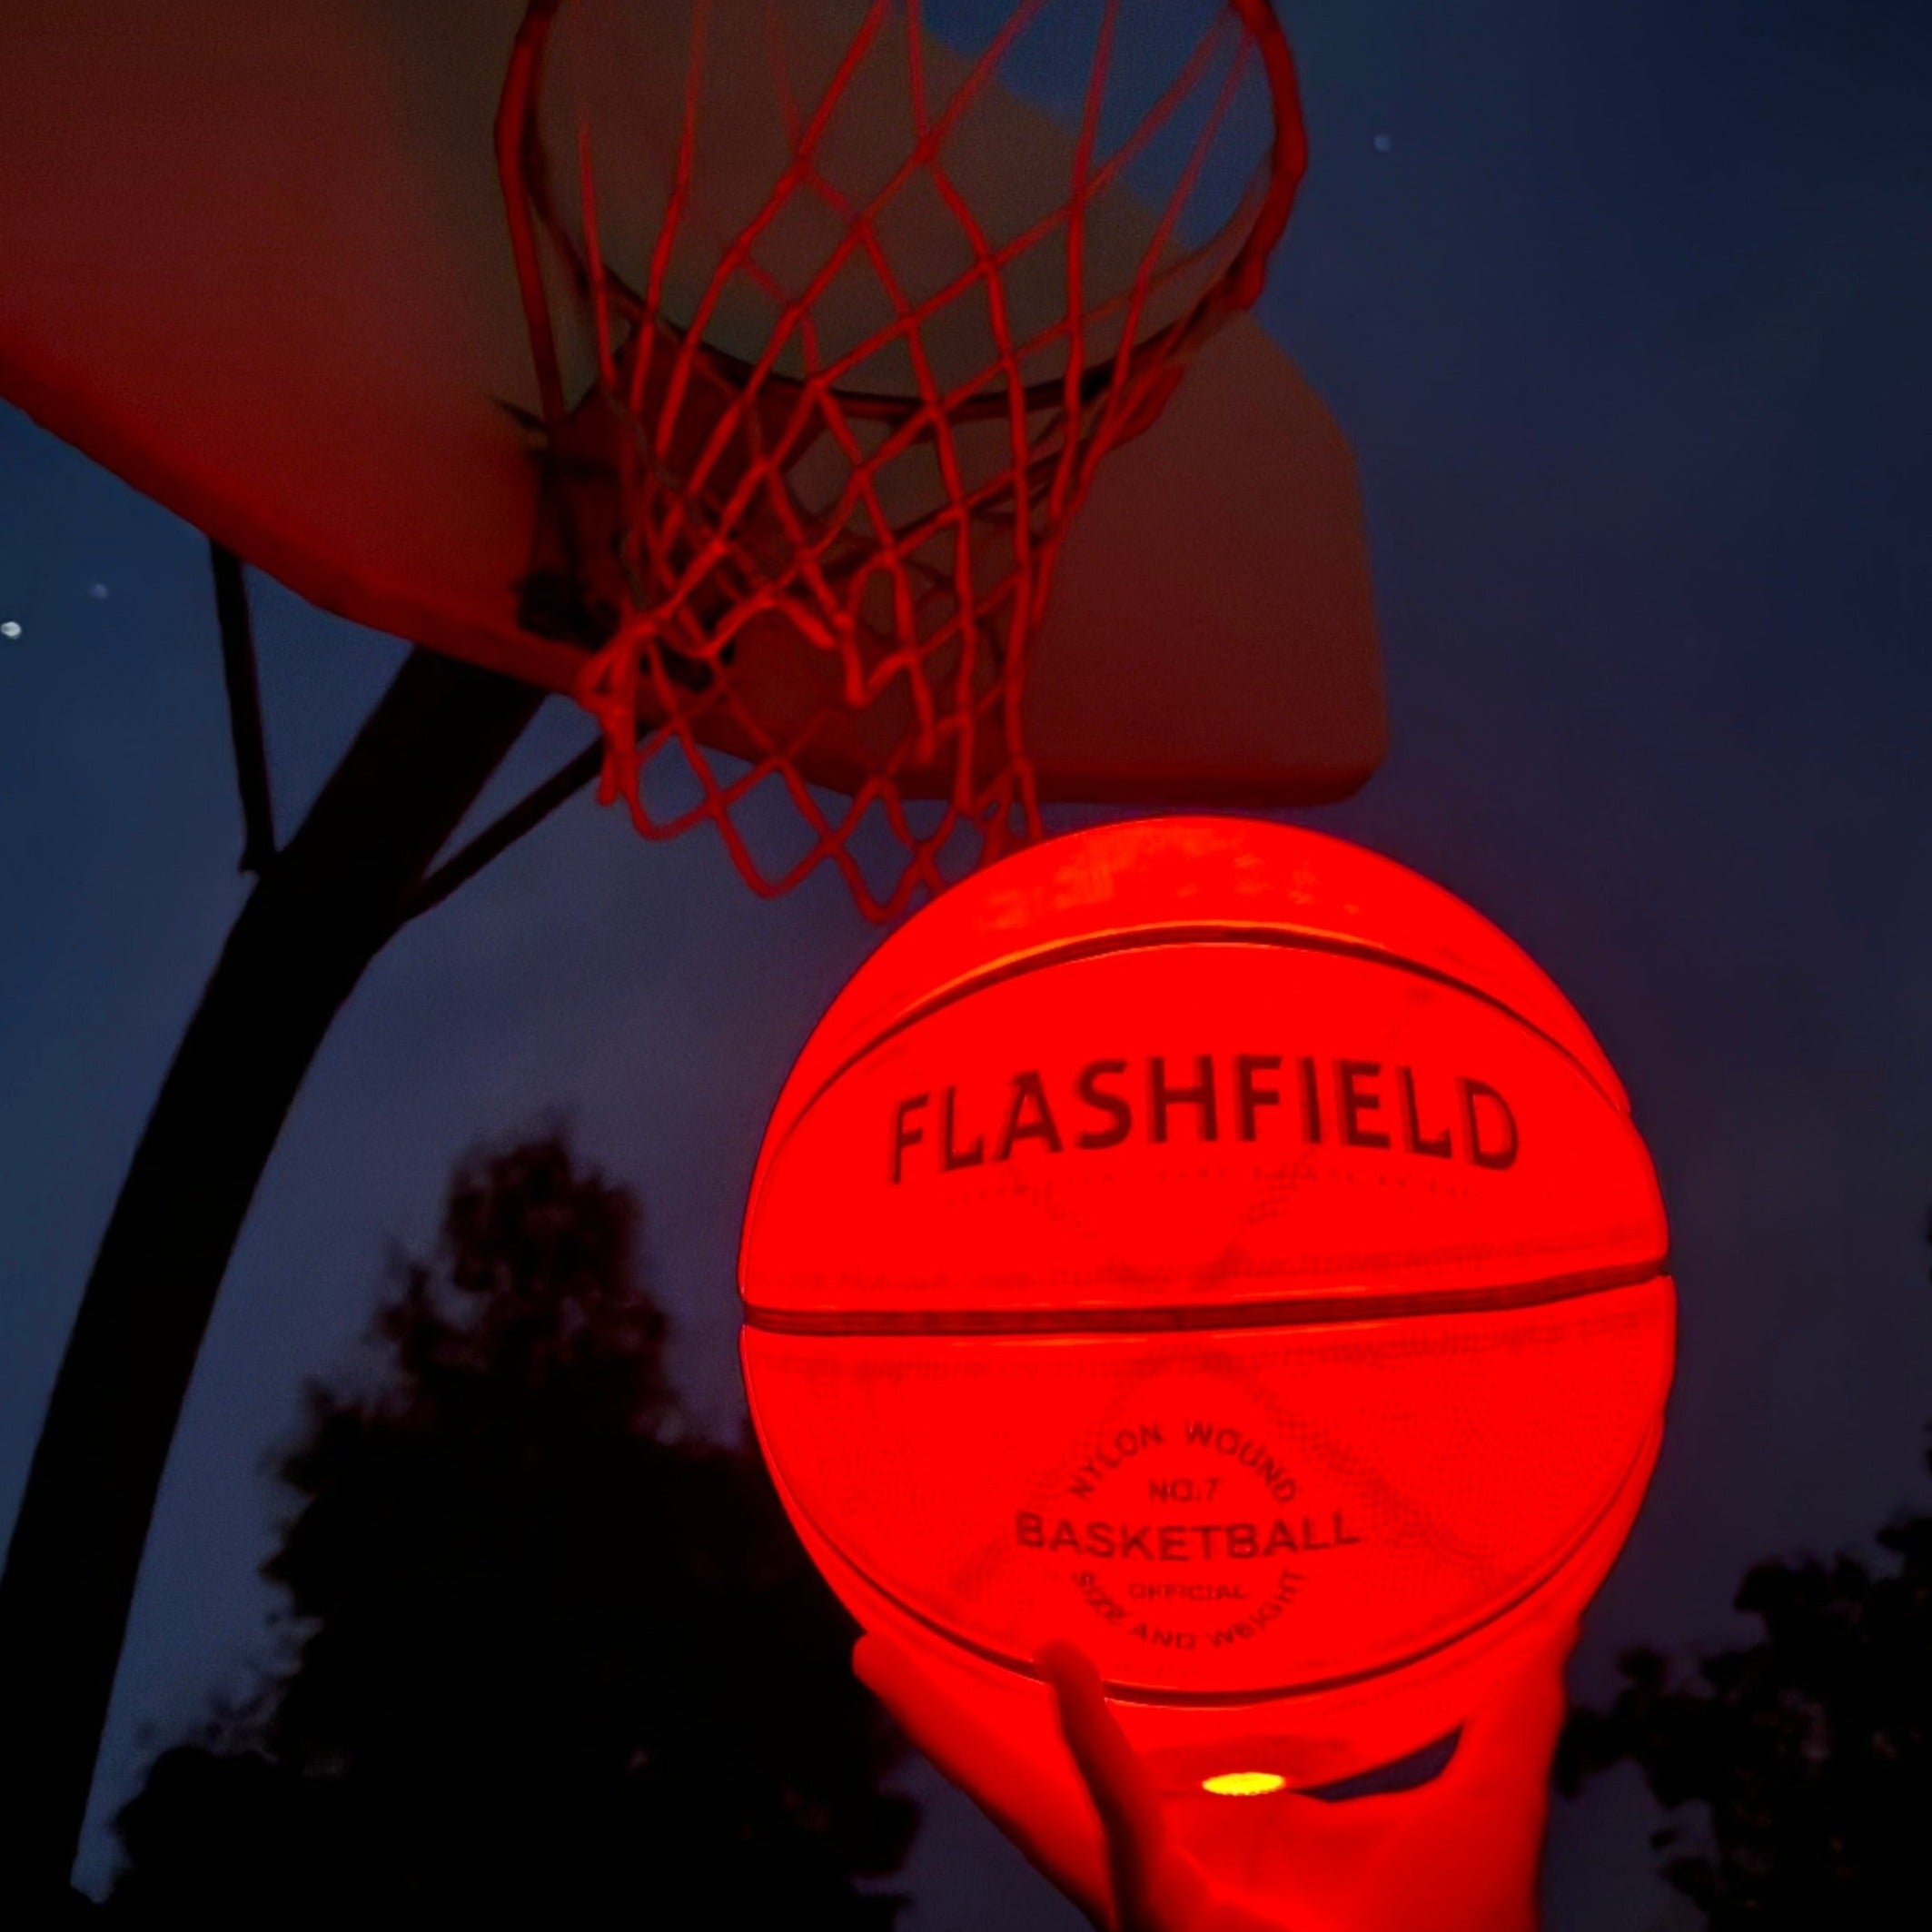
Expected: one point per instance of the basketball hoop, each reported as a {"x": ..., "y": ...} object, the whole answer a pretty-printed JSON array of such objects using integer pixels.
[{"x": 816, "y": 424}]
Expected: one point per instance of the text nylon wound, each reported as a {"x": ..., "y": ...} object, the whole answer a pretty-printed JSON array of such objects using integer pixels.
[
  {"x": 1190, "y": 1532},
  {"x": 1155, "y": 1099}
]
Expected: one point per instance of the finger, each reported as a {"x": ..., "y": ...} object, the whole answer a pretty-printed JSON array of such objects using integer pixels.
[
  {"x": 1148, "y": 1890},
  {"x": 1042, "y": 1811},
  {"x": 1158, "y": 1885}
]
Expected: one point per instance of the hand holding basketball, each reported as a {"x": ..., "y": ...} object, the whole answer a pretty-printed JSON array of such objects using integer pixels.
[
  {"x": 1214, "y": 1244},
  {"x": 1128, "y": 1875}
]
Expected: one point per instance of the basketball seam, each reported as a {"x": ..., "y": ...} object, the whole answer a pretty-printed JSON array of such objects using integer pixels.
[
  {"x": 1153, "y": 1695},
  {"x": 1073, "y": 952},
  {"x": 1326, "y": 1307}
]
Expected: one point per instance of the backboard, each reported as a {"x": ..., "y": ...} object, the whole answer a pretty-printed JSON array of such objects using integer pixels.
[{"x": 253, "y": 259}]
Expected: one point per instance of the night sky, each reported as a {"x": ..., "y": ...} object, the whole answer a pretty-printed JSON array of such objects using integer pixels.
[{"x": 1625, "y": 308}]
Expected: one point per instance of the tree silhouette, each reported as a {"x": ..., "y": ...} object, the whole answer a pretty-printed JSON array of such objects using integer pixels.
[
  {"x": 1811, "y": 1748},
  {"x": 553, "y": 1657}
]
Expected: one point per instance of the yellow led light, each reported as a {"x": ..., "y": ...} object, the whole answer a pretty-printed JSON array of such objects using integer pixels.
[{"x": 1243, "y": 1784}]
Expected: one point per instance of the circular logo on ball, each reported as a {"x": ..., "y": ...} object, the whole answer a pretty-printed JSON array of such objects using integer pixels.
[{"x": 1189, "y": 1530}]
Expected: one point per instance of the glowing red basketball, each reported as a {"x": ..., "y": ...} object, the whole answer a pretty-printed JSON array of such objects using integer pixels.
[{"x": 1211, "y": 1243}]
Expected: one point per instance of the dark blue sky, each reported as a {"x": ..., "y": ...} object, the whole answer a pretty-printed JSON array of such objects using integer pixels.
[{"x": 1625, "y": 307}]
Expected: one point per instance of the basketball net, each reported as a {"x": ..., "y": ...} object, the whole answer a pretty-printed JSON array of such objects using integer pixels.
[{"x": 821, "y": 415}]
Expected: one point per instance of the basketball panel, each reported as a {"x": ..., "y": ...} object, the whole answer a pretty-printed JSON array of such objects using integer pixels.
[
  {"x": 1219, "y": 1516},
  {"x": 1184, "y": 1124},
  {"x": 1166, "y": 875}
]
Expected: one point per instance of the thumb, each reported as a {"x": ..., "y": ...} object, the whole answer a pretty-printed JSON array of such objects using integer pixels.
[
  {"x": 1157, "y": 1886},
  {"x": 1124, "y": 1795}
]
